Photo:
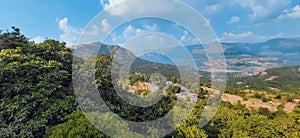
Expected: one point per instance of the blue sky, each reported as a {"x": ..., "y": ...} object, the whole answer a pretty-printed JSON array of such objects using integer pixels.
[{"x": 232, "y": 20}]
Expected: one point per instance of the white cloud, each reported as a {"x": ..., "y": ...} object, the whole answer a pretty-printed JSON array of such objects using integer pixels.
[
  {"x": 248, "y": 37},
  {"x": 134, "y": 7},
  {"x": 151, "y": 27},
  {"x": 70, "y": 34},
  {"x": 106, "y": 26},
  {"x": 207, "y": 23},
  {"x": 241, "y": 35},
  {"x": 236, "y": 37},
  {"x": 131, "y": 31},
  {"x": 264, "y": 9},
  {"x": 184, "y": 36},
  {"x": 294, "y": 13},
  {"x": 91, "y": 31},
  {"x": 234, "y": 19},
  {"x": 186, "y": 39},
  {"x": 128, "y": 33},
  {"x": 38, "y": 39},
  {"x": 150, "y": 42},
  {"x": 109, "y": 3},
  {"x": 115, "y": 10},
  {"x": 212, "y": 8}
]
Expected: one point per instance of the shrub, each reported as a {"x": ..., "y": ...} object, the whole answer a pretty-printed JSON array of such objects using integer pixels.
[
  {"x": 278, "y": 96},
  {"x": 258, "y": 96}
]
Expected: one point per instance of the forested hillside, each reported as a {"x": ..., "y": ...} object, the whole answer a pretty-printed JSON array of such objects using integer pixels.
[
  {"x": 37, "y": 100},
  {"x": 285, "y": 79}
]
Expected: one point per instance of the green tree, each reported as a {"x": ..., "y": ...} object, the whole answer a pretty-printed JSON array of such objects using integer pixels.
[
  {"x": 173, "y": 89},
  {"x": 75, "y": 125},
  {"x": 35, "y": 85},
  {"x": 11, "y": 40}
]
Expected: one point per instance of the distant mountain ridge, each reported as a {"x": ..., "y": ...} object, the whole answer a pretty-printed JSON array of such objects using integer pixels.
[
  {"x": 243, "y": 59},
  {"x": 127, "y": 59},
  {"x": 246, "y": 59}
]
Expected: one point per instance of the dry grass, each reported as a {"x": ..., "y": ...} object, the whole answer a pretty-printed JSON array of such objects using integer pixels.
[
  {"x": 289, "y": 107},
  {"x": 255, "y": 103},
  {"x": 233, "y": 99}
]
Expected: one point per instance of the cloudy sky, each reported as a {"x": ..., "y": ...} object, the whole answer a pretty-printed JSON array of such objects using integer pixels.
[{"x": 232, "y": 20}]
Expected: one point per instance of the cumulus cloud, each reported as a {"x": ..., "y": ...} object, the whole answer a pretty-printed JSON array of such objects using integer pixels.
[
  {"x": 264, "y": 9},
  {"x": 184, "y": 36},
  {"x": 186, "y": 39},
  {"x": 212, "y": 8},
  {"x": 134, "y": 7},
  {"x": 151, "y": 27},
  {"x": 37, "y": 39},
  {"x": 248, "y": 37},
  {"x": 234, "y": 19},
  {"x": 93, "y": 30},
  {"x": 241, "y": 35},
  {"x": 150, "y": 42},
  {"x": 109, "y": 3},
  {"x": 207, "y": 23},
  {"x": 115, "y": 9},
  {"x": 131, "y": 31},
  {"x": 233, "y": 37},
  {"x": 70, "y": 34},
  {"x": 128, "y": 33},
  {"x": 106, "y": 26},
  {"x": 294, "y": 13}
]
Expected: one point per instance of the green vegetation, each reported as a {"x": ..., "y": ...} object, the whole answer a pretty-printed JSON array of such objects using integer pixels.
[
  {"x": 75, "y": 125},
  {"x": 173, "y": 89},
  {"x": 135, "y": 78},
  {"x": 285, "y": 79},
  {"x": 35, "y": 85},
  {"x": 37, "y": 100},
  {"x": 236, "y": 91}
]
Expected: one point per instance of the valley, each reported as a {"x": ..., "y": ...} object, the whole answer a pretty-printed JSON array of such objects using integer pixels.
[{"x": 50, "y": 90}]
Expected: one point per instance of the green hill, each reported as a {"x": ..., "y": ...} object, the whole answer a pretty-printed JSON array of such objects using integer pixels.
[{"x": 285, "y": 79}]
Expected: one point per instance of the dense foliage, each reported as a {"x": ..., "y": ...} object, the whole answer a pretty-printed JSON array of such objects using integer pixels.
[{"x": 35, "y": 85}]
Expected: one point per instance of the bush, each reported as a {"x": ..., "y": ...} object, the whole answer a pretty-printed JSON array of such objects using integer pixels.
[
  {"x": 278, "y": 96},
  {"x": 264, "y": 111},
  {"x": 265, "y": 99},
  {"x": 289, "y": 99},
  {"x": 258, "y": 96}
]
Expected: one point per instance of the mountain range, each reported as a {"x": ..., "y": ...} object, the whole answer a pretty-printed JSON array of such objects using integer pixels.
[{"x": 243, "y": 59}]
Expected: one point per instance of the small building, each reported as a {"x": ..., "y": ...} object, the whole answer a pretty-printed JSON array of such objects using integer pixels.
[
  {"x": 155, "y": 89},
  {"x": 168, "y": 83},
  {"x": 193, "y": 97}
]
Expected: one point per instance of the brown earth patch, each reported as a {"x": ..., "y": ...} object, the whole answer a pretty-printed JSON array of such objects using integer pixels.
[
  {"x": 141, "y": 86},
  {"x": 255, "y": 103},
  {"x": 289, "y": 107},
  {"x": 233, "y": 99}
]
